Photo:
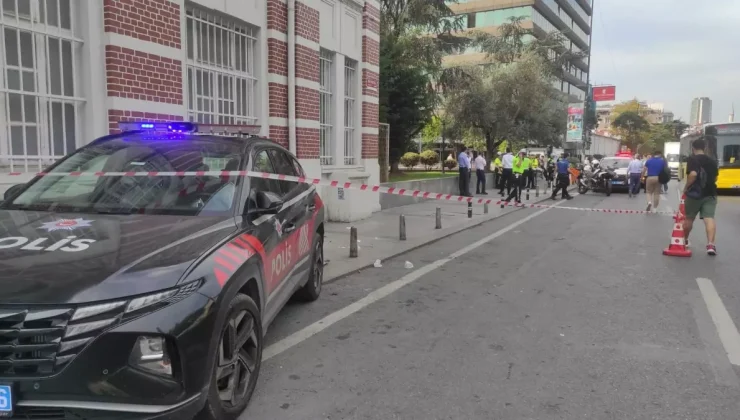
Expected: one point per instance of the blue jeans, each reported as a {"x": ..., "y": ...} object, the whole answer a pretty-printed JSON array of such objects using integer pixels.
[{"x": 635, "y": 183}]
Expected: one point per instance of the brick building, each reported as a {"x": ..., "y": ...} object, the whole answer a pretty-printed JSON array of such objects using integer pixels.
[{"x": 71, "y": 69}]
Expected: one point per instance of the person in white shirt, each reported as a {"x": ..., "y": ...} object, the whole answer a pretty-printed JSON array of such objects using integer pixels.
[
  {"x": 463, "y": 164},
  {"x": 480, "y": 173},
  {"x": 507, "y": 173},
  {"x": 635, "y": 174}
]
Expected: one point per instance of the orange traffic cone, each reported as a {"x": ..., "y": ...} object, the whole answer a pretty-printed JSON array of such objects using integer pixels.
[{"x": 677, "y": 247}]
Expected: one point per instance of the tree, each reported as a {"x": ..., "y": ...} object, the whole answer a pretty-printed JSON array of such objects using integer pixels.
[
  {"x": 414, "y": 36},
  {"x": 632, "y": 127},
  {"x": 512, "y": 101}
]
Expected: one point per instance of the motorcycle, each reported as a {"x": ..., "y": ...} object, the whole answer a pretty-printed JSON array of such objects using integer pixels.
[{"x": 596, "y": 179}]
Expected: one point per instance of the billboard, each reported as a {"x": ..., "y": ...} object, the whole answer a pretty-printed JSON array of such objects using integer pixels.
[
  {"x": 575, "y": 123},
  {"x": 604, "y": 93}
]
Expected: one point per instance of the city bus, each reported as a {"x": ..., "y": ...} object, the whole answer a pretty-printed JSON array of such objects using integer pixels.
[{"x": 723, "y": 144}]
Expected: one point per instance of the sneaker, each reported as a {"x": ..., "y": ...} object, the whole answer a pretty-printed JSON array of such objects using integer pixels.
[
  {"x": 711, "y": 249},
  {"x": 688, "y": 244},
  {"x": 649, "y": 206}
]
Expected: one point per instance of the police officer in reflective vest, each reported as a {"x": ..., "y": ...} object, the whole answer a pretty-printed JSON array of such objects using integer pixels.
[
  {"x": 519, "y": 166},
  {"x": 563, "y": 178}
]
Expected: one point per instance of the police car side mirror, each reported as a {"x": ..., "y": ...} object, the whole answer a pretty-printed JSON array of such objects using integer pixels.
[
  {"x": 10, "y": 192},
  {"x": 265, "y": 202}
]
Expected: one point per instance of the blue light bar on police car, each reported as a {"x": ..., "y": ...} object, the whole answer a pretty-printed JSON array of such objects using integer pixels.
[{"x": 188, "y": 127}]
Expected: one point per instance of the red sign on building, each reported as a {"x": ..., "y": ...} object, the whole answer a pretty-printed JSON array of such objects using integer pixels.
[{"x": 604, "y": 93}]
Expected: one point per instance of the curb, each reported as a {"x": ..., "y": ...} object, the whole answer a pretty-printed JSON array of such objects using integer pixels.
[{"x": 431, "y": 241}]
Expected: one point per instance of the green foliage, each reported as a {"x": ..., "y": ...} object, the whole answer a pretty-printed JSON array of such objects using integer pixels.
[
  {"x": 429, "y": 158},
  {"x": 450, "y": 163},
  {"x": 410, "y": 159},
  {"x": 633, "y": 127},
  {"x": 414, "y": 36},
  {"x": 513, "y": 101}
]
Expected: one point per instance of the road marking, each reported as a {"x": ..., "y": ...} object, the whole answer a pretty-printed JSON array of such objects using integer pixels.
[
  {"x": 374, "y": 296},
  {"x": 725, "y": 326},
  {"x": 716, "y": 357}
]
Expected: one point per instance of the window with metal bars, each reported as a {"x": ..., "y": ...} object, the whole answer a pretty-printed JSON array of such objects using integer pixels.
[
  {"x": 221, "y": 69},
  {"x": 326, "y": 107},
  {"x": 350, "y": 101},
  {"x": 40, "y": 97}
]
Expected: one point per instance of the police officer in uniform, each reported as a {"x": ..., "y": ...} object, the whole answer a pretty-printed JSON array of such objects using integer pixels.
[
  {"x": 563, "y": 178},
  {"x": 519, "y": 167}
]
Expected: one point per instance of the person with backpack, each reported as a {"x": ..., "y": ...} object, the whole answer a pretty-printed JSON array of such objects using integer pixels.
[
  {"x": 701, "y": 192},
  {"x": 652, "y": 170},
  {"x": 665, "y": 176}
]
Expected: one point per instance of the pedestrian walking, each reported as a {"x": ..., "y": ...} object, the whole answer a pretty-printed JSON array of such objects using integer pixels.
[
  {"x": 563, "y": 178},
  {"x": 507, "y": 174},
  {"x": 653, "y": 167},
  {"x": 480, "y": 173},
  {"x": 463, "y": 164},
  {"x": 635, "y": 175},
  {"x": 701, "y": 192}
]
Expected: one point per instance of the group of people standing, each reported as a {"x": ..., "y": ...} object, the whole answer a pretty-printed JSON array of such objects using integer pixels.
[{"x": 511, "y": 173}]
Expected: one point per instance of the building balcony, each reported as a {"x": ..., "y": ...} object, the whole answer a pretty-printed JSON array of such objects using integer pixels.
[
  {"x": 576, "y": 12},
  {"x": 548, "y": 19}
]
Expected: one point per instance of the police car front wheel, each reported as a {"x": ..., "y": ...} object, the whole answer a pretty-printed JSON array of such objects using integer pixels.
[
  {"x": 238, "y": 361},
  {"x": 312, "y": 289}
]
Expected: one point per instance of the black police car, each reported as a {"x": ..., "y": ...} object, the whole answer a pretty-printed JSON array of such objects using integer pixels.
[{"x": 147, "y": 297}]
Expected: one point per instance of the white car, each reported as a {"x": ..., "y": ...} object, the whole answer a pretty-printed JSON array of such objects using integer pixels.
[{"x": 619, "y": 165}]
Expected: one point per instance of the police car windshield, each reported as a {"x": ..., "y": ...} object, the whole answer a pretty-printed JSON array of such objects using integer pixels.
[{"x": 177, "y": 195}]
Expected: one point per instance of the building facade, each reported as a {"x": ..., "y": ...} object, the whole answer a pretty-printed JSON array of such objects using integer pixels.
[
  {"x": 701, "y": 111},
  {"x": 571, "y": 17},
  {"x": 305, "y": 72}
]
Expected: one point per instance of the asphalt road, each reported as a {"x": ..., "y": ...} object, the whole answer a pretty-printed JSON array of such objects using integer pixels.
[{"x": 555, "y": 314}]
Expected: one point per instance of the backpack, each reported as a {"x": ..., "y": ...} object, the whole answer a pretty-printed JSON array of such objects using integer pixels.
[
  {"x": 665, "y": 175},
  {"x": 696, "y": 190}
]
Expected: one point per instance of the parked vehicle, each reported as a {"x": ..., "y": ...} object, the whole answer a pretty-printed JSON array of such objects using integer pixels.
[{"x": 595, "y": 177}]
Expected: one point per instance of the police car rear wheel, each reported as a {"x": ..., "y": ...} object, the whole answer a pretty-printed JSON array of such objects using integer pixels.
[
  {"x": 311, "y": 291},
  {"x": 238, "y": 361}
]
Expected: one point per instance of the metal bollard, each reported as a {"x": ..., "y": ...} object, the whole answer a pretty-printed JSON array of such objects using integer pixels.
[
  {"x": 470, "y": 210},
  {"x": 353, "y": 242},
  {"x": 485, "y": 208},
  {"x": 527, "y": 193},
  {"x": 402, "y": 227},
  {"x": 536, "y": 190},
  {"x": 438, "y": 219}
]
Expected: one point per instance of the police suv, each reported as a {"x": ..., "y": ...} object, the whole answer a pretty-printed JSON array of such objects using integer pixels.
[{"x": 147, "y": 296}]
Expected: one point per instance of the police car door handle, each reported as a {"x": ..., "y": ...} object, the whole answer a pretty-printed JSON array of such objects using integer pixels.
[
  {"x": 289, "y": 228},
  {"x": 311, "y": 207}
]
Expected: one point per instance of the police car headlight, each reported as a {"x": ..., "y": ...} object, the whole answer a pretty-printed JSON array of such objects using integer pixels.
[
  {"x": 131, "y": 307},
  {"x": 150, "y": 354}
]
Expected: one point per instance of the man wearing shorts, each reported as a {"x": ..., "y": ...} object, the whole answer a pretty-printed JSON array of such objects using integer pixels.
[
  {"x": 652, "y": 169},
  {"x": 701, "y": 192}
]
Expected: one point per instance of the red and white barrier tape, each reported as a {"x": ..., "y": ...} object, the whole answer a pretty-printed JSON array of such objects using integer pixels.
[{"x": 334, "y": 184}]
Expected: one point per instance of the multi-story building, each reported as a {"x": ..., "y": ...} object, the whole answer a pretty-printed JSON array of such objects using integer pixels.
[
  {"x": 571, "y": 17},
  {"x": 701, "y": 111},
  {"x": 305, "y": 72}
]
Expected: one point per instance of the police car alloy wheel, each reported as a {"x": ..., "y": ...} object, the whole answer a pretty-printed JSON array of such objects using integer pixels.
[
  {"x": 238, "y": 361},
  {"x": 312, "y": 289}
]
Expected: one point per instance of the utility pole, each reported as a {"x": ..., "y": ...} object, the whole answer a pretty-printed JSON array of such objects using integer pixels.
[
  {"x": 442, "y": 152},
  {"x": 587, "y": 134}
]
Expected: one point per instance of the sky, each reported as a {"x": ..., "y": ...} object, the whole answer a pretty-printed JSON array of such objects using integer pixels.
[{"x": 669, "y": 51}]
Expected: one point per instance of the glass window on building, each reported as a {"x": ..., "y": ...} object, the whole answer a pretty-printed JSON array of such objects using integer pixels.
[
  {"x": 498, "y": 17},
  {"x": 41, "y": 98},
  {"x": 221, "y": 71},
  {"x": 326, "y": 107}
]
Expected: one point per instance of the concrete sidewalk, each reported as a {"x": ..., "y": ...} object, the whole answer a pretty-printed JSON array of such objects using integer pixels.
[{"x": 378, "y": 235}]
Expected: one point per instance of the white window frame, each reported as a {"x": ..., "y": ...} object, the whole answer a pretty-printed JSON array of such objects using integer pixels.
[
  {"x": 221, "y": 72},
  {"x": 326, "y": 107},
  {"x": 351, "y": 74},
  {"x": 44, "y": 27}
]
